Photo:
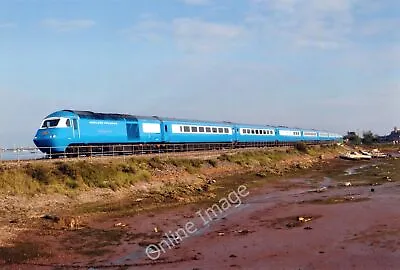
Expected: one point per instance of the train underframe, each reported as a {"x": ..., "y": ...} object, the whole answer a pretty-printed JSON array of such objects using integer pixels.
[{"x": 135, "y": 149}]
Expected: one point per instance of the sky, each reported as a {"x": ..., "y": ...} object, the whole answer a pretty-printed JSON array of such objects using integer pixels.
[{"x": 332, "y": 65}]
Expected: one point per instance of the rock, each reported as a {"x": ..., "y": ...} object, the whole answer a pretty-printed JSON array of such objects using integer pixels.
[
  {"x": 51, "y": 217},
  {"x": 261, "y": 174},
  {"x": 71, "y": 223},
  {"x": 387, "y": 178},
  {"x": 243, "y": 231}
]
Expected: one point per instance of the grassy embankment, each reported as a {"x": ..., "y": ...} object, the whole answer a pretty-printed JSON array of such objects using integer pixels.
[{"x": 71, "y": 176}]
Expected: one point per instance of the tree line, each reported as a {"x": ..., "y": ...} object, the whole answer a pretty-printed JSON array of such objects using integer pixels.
[{"x": 367, "y": 138}]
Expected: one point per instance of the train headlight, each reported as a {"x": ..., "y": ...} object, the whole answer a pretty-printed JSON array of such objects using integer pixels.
[{"x": 52, "y": 136}]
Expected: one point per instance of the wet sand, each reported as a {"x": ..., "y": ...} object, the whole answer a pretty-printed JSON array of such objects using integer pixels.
[{"x": 296, "y": 223}]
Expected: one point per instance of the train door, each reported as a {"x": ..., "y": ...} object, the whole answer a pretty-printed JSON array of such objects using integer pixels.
[
  {"x": 132, "y": 131},
  {"x": 75, "y": 129},
  {"x": 235, "y": 133},
  {"x": 164, "y": 131}
]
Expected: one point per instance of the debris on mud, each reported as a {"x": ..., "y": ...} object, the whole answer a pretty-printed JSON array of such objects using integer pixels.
[
  {"x": 318, "y": 190},
  {"x": 64, "y": 222},
  {"x": 291, "y": 221}
]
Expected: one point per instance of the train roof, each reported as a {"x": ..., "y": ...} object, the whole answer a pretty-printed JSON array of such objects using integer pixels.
[
  {"x": 117, "y": 116},
  {"x": 108, "y": 116}
]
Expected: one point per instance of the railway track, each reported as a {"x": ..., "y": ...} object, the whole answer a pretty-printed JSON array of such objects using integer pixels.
[{"x": 178, "y": 150}]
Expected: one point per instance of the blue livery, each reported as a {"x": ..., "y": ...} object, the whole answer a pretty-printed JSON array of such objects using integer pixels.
[{"x": 63, "y": 129}]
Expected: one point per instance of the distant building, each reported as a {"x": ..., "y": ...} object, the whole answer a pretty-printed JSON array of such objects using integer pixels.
[{"x": 393, "y": 137}]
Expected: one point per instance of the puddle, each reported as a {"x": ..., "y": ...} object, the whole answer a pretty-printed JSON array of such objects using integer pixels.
[
  {"x": 336, "y": 200},
  {"x": 355, "y": 170},
  {"x": 328, "y": 182}
]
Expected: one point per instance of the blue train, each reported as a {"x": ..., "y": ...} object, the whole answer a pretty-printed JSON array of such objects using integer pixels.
[{"x": 60, "y": 131}]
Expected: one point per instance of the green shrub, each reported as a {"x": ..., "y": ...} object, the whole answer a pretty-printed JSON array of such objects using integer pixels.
[
  {"x": 67, "y": 169},
  {"x": 212, "y": 162},
  {"x": 301, "y": 147},
  {"x": 39, "y": 172}
]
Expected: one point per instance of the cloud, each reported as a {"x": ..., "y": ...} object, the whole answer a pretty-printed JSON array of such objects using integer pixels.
[
  {"x": 385, "y": 98},
  {"x": 312, "y": 23},
  {"x": 200, "y": 36},
  {"x": 7, "y": 25},
  {"x": 196, "y": 2},
  {"x": 147, "y": 29},
  {"x": 67, "y": 25},
  {"x": 189, "y": 34},
  {"x": 381, "y": 26}
]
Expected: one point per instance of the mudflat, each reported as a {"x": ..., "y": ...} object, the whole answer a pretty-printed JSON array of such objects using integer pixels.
[{"x": 343, "y": 215}]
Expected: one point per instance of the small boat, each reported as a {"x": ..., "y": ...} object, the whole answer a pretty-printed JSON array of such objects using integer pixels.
[
  {"x": 377, "y": 154},
  {"x": 365, "y": 153},
  {"x": 355, "y": 156}
]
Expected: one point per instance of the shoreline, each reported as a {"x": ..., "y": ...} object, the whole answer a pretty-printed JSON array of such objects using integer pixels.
[{"x": 105, "y": 215}]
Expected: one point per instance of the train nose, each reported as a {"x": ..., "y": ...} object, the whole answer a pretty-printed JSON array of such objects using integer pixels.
[{"x": 45, "y": 140}]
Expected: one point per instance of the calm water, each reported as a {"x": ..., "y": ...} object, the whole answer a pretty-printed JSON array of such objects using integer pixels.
[{"x": 22, "y": 155}]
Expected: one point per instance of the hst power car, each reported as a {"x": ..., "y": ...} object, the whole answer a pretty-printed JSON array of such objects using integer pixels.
[{"x": 62, "y": 130}]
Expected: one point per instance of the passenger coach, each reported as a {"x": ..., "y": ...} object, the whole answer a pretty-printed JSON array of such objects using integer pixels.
[{"x": 62, "y": 130}]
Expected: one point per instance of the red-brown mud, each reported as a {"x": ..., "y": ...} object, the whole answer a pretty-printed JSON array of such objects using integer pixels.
[{"x": 292, "y": 224}]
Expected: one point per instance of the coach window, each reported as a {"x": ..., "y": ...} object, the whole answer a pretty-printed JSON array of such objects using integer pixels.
[
  {"x": 208, "y": 129},
  {"x": 201, "y": 129},
  {"x": 252, "y": 131},
  {"x": 226, "y": 130},
  {"x": 244, "y": 131},
  {"x": 186, "y": 129},
  {"x": 257, "y": 131},
  {"x": 166, "y": 128},
  {"x": 68, "y": 123},
  {"x": 180, "y": 128},
  {"x": 220, "y": 130},
  {"x": 214, "y": 130},
  {"x": 194, "y": 129}
]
